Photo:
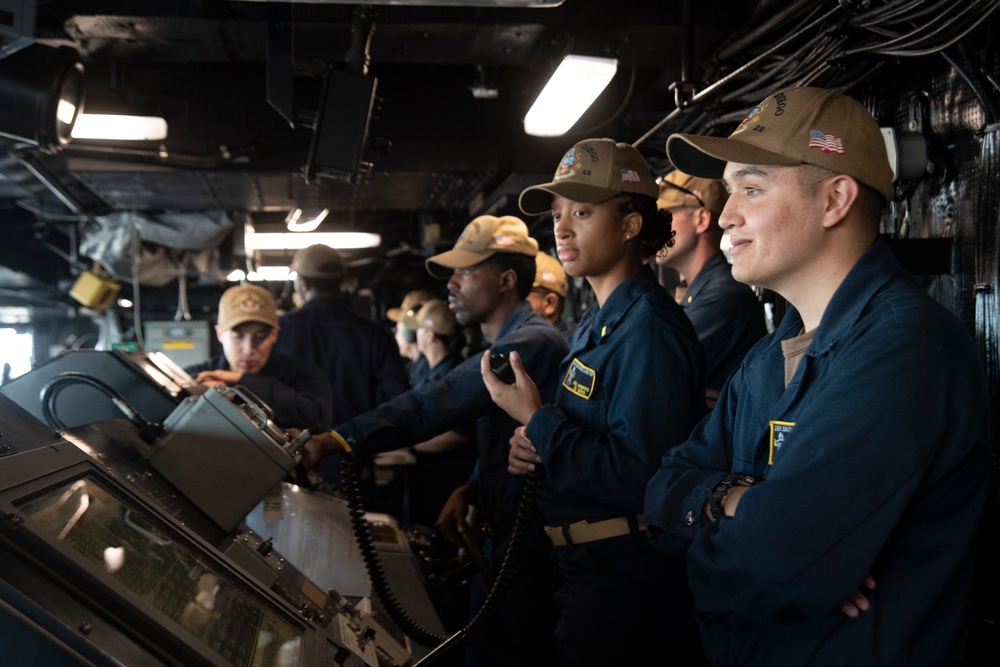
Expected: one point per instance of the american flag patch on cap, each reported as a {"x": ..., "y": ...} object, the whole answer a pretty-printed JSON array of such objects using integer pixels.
[
  {"x": 630, "y": 176},
  {"x": 826, "y": 142}
]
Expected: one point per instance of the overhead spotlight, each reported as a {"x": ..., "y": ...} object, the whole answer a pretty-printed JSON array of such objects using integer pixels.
[
  {"x": 42, "y": 89},
  {"x": 574, "y": 86},
  {"x": 304, "y": 220}
]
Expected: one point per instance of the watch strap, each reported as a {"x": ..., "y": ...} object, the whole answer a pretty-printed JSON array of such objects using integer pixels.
[{"x": 716, "y": 495}]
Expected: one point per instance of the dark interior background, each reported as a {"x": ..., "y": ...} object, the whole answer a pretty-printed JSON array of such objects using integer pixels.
[{"x": 240, "y": 84}]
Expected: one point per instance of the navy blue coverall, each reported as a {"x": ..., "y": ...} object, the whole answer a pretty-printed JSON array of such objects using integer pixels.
[
  {"x": 727, "y": 316},
  {"x": 874, "y": 459},
  {"x": 359, "y": 358},
  {"x": 436, "y": 474},
  {"x": 631, "y": 387},
  {"x": 295, "y": 390},
  {"x": 526, "y": 616}
]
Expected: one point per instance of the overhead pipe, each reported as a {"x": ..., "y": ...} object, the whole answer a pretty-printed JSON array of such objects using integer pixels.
[
  {"x": 687, "y": 53},
  {"x": 162, "y": 155},
  {"x": 47, "y": 178}
]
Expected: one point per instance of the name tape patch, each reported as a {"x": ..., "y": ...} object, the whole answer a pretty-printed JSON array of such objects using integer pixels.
[
  {"x": 779, "y": 430},
  {"x": 580, "y": 379}
]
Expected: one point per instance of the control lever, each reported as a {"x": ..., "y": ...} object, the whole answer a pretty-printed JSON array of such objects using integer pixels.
[{"x": 294, "y": 446}]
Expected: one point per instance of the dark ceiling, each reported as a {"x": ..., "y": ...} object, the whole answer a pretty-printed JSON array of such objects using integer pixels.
[{"x": 240, "y": 84}]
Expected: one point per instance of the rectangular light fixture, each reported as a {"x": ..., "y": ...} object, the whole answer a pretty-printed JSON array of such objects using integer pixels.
[
  {"x": 295, "y": 241},
  {"x": 119, "y": 128},
  {"x": 574, "y": 86}
]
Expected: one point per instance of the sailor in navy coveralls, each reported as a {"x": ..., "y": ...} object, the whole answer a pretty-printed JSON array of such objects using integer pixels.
[
  {"x": 828, "y": 506},
  {"x": 631, "y": 387}
]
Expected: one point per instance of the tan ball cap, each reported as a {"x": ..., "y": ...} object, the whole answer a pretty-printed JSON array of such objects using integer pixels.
[
  {"x": 795, "y": 126},
  {"x": 246, "y": 303},
  {"x": 680, "y": 189},
  {"x": 318, "y": 261},
  {"x": 411, "y": 303},
  {"x": 590, "y": 172},
  {"x": 434, "y": 315},
  {"x": 482, "y": 238},
  {"x": 549, "y": 274}
]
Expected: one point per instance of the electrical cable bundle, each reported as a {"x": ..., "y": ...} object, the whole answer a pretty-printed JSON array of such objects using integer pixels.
[
  {"x": 909, "y": 28},
  {"x": 839, "y": 45}
]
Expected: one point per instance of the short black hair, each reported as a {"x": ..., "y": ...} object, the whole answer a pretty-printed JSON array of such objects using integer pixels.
[{"x": 522, "y": 265}]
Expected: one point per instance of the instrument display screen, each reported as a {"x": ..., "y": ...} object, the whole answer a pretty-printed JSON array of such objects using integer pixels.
[{"x": 121, "y": 542}]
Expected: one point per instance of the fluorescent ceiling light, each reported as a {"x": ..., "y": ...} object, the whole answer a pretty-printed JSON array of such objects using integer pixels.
[
  {"x": 574, "y": 86},
  {"x": 119, "y": 128},
  {"x": 271, "y": 273},
  {"x": 340, "y": 240},
  {"x": 298, "y": 221}
]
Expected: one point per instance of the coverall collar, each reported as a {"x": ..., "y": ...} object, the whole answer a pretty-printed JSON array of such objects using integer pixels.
[{"x": 872, "y": 270}]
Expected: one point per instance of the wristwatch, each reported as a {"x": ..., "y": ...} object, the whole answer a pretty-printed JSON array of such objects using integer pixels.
[{"x": 722, "y": 488}]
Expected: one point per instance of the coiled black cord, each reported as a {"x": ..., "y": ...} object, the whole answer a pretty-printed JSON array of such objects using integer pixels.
[
  {"x": 515, "y": 547},
  {"x": 149, "y": 431},
  {"x": 373, "y": 564}
]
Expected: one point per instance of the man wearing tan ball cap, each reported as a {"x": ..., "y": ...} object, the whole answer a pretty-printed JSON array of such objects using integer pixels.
[
  {"x": 828, "y": 506},
  {"x": 247, "y": 328},
  {"x": 359, "y": 358},
  {"x": 727, "y": 315},
  {"x": 406, "y": 337},
  {"x": 438, "y": 337},
  {"x": 483, "y": 238},
  {"x": 446, "y": 461},
  {"x": 411, "y": 304},
  {"x": 490, "y": 271},
  {"x": 548, "y": 293}
]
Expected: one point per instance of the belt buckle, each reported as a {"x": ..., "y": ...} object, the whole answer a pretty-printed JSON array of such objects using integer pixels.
[{"x": 555, "y": 535}]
